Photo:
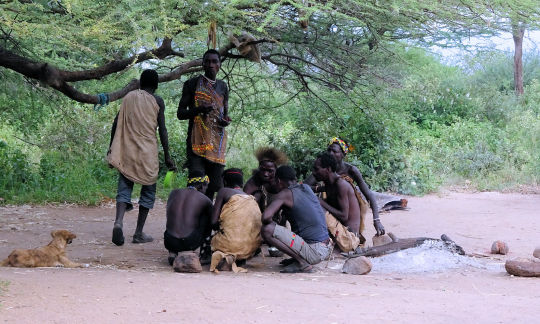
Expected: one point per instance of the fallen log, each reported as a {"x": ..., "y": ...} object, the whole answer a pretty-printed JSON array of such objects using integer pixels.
[
  {"x": 405, "y": 243},
  {"x": 387, "y": 202},
  {"x": 522, "y": 268}
]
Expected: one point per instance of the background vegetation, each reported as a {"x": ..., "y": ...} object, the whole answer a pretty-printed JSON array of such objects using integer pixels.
[{"x": 416, "y": 124}]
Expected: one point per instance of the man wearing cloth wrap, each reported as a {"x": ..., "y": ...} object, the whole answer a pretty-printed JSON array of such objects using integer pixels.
[
  {"x": 134, "y": 152},
  {"x": 237, "y": 219},
  {"x": 204, "y": 103}
]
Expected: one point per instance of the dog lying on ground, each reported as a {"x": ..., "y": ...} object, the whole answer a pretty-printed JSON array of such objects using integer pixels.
[{"x": 51, "y": 255}]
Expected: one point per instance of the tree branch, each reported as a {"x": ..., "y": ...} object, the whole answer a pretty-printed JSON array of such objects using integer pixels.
[
  {"x": 118, "y": 65},
  {"x": 59, "y": 79}
]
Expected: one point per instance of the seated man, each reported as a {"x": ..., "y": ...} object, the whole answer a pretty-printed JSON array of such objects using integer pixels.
[
  {"x": 262, "y": 185},
  {"x": 237, "y": 219},
  {"x": 341, "y": 204},
  {"x": 308, "y": 243},
  {"x": 339, "y": 149},
  {"x": 188, "y": 216}
]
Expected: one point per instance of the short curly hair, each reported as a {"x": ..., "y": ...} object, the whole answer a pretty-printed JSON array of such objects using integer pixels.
[{"x": 271, "y": 154}]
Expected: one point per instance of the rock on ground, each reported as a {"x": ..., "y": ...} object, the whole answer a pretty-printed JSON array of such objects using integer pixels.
[
  {"x": 381, "y": 240},
  {"x": 187, "y": 262},
  {"x": 357, "y": 266},
  {"x": 536, "y": 252},
  {"x": 499, "y": 247},
  {"x": 523, "y": 268}
]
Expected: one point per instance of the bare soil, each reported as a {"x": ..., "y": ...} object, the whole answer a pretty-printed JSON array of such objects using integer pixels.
[{"x": 134, "y": 283}]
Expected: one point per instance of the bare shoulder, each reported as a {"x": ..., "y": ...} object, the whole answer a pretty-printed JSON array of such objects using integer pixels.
[
  {"x": 351, "y": 168},
  {"x": 250, "y": 186},
  {"x": 284, "y": 194},
  {"x": 203, "y": 198},
  {"x": 343, "y": 185},
  {"x": 174, "y": 194},
  {"x": 353, "y": 171},
  {"x": 227, "y": 193}
]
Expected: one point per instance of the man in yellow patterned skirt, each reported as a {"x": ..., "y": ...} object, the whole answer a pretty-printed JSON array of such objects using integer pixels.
[{"x": 204, "y": 103}]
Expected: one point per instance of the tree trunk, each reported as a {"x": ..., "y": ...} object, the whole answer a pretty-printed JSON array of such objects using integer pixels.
[
  {"x": 405, "y": 243},
  {"x": 517, "y": 32}
]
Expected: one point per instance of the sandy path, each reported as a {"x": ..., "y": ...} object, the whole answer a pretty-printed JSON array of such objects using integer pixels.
[{"x": 134, "y": 283}]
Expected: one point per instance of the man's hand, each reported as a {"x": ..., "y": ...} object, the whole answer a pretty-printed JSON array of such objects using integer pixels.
[
  {"x": 170, "y": 164},
  {"x": 378, "y": 227},
  {"x": 204, "y": 109},
  {"x": 225, "y": 121}
]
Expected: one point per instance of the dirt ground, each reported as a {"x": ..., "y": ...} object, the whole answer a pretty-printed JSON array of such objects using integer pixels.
[{"x": 134, "y": 283}]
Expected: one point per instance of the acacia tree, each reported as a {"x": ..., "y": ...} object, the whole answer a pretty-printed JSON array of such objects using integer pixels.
[
  {"x": 514, "y": 17},
  {"x": 65, "y": 42}
]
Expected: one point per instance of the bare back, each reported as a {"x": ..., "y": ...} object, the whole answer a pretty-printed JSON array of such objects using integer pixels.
[
  {"x": 223, "y": 196},
  {"x": 342, "y": 197},
  {"x": 186, "y": 209}
]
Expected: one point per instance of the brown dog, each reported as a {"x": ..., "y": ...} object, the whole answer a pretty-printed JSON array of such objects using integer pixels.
[{"x": 52, "y": 255}]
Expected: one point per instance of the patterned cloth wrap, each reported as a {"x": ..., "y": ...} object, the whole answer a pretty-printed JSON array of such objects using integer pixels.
[{"x": 208, "y": 138}]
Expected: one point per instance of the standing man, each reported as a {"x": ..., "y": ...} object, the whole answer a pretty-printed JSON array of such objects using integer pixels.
[
  {"x": 308, "y": 243},
  {"x": 133, "y": 151},
  {"x": 204, "y": 103}
]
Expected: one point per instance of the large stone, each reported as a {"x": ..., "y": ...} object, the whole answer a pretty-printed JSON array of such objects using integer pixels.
[
  {"x": 523, "y": 268},
  {"x": 381, "y": 240},
  {"x": 536, "y": 252},
  {"x": 187, "y": 262},
  {"x": 499, "y": 247},
  {"x": 357, "y": 266}
]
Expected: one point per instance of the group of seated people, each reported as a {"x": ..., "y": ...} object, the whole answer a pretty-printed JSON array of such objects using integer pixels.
[{"x": 327, "y": 209}]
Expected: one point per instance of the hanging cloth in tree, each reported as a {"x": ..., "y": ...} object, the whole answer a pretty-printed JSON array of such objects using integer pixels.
[
  {"x": 212, "y": 35},
  {"x": 208, "y": 138}
]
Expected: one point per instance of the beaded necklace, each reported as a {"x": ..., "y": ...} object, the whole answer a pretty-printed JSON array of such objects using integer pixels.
[{"x": 212, "y": 82}]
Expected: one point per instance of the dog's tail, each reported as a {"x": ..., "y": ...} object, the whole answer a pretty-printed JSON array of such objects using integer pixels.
[{"x": 5, "y": 263}]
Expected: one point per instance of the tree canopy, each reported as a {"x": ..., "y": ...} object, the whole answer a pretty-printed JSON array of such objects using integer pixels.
[
  {"x": 298, "y": 72},
  {"x": 63, "y": 43}
]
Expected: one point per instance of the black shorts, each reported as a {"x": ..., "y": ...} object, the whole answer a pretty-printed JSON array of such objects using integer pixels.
[
  {"x": 213, "y": 170},
  {"x": 189, "y": 243}
]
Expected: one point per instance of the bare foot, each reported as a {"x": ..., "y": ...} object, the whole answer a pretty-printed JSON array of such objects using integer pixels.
[{"x": 142, "y": 238}]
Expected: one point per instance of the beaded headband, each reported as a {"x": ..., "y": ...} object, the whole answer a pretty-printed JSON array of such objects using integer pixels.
[
  {"x": 341, "y": 143},
  {"x": 198, "y": 179}
]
